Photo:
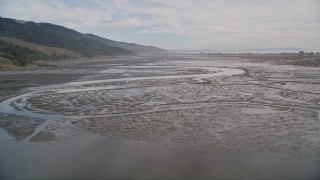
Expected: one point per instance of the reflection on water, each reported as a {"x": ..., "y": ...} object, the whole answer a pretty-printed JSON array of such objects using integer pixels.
[{"x": 90, "y": 155}]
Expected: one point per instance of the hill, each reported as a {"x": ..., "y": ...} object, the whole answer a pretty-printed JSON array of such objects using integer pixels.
[
  {"x": 136, "y": 48},
  {"x": 21, "y": 53},
  {"x": 57, "y": 36},
  {"x": 24, "y": 42}
]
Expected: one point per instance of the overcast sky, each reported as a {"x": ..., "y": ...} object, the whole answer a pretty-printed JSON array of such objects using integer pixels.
[{"x": 222, "y": 25}]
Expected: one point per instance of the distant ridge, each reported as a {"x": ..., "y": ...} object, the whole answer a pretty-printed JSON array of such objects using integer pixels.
[
  {"x": 277, "y": 50},
  {"x": 136, "y": 48},
  {"x": 262, "y": 50}
]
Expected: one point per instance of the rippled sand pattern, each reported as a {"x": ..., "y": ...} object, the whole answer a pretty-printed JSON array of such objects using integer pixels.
[{"x": 210, "y": 106}]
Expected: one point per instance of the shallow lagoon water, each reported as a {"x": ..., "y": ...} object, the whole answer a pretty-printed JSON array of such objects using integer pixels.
[
  {"x": 73, "y": 87},
  {"x": 169, "y": 119},
  {"x": 94, "y": 156}
]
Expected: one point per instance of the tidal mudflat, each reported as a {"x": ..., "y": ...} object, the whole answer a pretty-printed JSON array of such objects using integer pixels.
[{"x": 172, "y": 117}]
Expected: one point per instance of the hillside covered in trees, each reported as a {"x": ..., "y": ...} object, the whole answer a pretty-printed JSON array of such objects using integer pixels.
[{"x": 23, "y": 43}]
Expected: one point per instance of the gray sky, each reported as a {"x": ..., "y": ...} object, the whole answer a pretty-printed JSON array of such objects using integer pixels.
[{"x": 222, "y": 25}]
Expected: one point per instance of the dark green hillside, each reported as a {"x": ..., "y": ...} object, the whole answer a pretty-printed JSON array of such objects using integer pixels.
[
  {"x": 21, "y": 56},
  {"x": 57, "y": 36},
  {"x": 15, "y": 52}
]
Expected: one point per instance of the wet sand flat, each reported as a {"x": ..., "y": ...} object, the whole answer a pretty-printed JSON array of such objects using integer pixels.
[{"x": 162, "y": 117}]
